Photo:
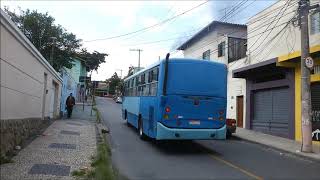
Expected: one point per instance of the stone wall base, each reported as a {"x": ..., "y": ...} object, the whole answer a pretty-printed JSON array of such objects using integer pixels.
[{"x": 14, "y": 132}]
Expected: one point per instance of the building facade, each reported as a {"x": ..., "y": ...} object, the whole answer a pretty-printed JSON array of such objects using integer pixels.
[
  {"x": 78, "y": 69},
  {"x": 273, "y": 78},
  {"x": 30, "y": 87},
  {"x": 225, "y": 43},
  {"x": 69, "y": 85}
]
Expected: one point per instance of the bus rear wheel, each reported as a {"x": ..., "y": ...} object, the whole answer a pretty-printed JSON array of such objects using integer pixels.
[{"x": 140, "y": 130}]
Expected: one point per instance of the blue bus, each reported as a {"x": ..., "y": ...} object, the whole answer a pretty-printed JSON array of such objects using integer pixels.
[{"x": 177, "y": 98}]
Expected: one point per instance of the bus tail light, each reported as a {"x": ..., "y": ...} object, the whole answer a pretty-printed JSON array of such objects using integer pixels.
[
  {"x": 221, "y": 112},
  {"x": 167, "y": 109},
  {"x": 165, "y": 116}
]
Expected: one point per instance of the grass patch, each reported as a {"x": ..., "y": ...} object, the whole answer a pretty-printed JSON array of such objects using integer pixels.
[
  {"x": 98, "y": 114},
  {"x": 5, "y": 159},
  {"x": 102, "y": 163},
  {"x": 101, "y": 168},
  {"x": 79, "y": 173}
]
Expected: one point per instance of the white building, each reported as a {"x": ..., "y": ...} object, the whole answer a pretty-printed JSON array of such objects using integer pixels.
[
  {"x": 30, "y": 87},
  {"x": 225, "y": 43}
]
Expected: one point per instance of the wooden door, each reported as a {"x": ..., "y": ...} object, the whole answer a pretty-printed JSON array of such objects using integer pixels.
[{"x": 240, "y": 111}]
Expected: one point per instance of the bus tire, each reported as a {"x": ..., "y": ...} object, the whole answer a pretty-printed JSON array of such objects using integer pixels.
[
  {"x": 140, "y": 129},
  {"x": 228, "y": 135}
]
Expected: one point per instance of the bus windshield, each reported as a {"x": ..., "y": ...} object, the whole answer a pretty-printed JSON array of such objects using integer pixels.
[{"x": 197, "y": 78}]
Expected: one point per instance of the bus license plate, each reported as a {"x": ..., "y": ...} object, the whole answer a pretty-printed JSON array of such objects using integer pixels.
[{"x": 194, "y": 122}]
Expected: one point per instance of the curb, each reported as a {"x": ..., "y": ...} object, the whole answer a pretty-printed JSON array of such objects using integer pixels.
[{"x": 279, "y": 149}]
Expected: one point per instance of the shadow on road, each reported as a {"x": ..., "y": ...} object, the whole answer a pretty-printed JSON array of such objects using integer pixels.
[{"x": 179, "y": 147}]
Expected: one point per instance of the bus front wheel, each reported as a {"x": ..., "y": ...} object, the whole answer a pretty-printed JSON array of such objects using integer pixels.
[{"x": 140, "y": 130}]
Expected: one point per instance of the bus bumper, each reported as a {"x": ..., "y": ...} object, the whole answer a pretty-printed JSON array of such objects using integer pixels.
[{"x": 191, "y": 134}]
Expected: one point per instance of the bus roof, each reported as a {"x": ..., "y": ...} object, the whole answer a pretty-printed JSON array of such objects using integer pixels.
[{"x": 175, "y": 60}]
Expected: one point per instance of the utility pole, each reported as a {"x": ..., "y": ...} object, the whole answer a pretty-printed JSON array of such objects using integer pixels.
[
  {"x": 306, "y": 123},
  {"x": 120, "y": 72},
  {"x": 139, "y": 50},
  {"x": 52, "y": 49}
]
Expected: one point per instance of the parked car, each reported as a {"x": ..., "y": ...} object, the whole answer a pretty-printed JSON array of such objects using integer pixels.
[
  {"x": 231, "y": 127},
  {"x": 119, "y": 100}
]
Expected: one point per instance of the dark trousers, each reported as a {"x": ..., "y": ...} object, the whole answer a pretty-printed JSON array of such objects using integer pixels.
[{"x": 69, "y": 110}]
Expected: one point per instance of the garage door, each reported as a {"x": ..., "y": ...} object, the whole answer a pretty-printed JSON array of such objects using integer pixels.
[{"x": 271, "y": 111}]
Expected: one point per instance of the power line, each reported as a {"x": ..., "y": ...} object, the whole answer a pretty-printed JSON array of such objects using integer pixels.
[
  {"x": 152, "y": 42},
  {"x": 249, "y": 31},
  {"x": 233, "y": 7},
  {"x": 215, "y": 50},
  {"x": 163, "y": 40},
  {"x": 267, "y": 44},
  {"x": 167, "y": 16},
  {"x": 271, "y": 12},
  {"x": 285, "y": 5},
  {"x": 235, "y": 31},
  {"x": 149, "y": 27}
]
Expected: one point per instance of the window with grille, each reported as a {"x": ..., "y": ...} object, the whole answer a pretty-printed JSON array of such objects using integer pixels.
[
  {"x": 221, "y": 49},
  {"x": 236, "y": 49},
  {"x": 206, "y": 55}
]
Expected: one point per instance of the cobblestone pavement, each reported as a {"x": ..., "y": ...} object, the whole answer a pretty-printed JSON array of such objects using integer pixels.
[{"x": 66, "y": 145}]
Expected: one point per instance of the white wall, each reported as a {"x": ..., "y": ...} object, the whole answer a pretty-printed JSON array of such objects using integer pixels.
[
  {"x": 22, "y": 76},
  {"x": 236, "y": 87},
  {"x": 264, "y": 38}
]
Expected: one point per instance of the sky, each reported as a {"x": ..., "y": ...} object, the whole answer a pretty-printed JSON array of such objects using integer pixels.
[{"x": 94, "y": 21}]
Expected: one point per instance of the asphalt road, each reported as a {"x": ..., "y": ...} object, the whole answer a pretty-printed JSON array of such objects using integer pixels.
[{"x": 197, "y": 160}]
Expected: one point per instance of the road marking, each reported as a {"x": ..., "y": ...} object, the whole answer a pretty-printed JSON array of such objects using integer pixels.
[{"x": 234, "y": 166}]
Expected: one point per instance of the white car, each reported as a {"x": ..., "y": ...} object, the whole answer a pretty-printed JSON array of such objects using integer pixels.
[{"x": 119, "y": 100}]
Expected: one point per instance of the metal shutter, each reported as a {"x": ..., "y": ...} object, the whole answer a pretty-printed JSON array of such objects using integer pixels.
[
  {"x": 271, "y": 111},
  {"x": 315, "y": 101},
  {"x": 315, "y": 96},
  {"x": 262, "y": 105}
]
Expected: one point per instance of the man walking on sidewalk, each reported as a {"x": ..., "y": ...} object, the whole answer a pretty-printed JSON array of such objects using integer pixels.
[{"x": 70, "y": 102}]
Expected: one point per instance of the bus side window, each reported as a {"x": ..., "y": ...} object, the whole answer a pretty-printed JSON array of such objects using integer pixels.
[
  {"x": 156, "y": 74},
  {"x": 150, "y": 76},
  {"x": 147, "y": 85},
  {"x": 143, "y": 77},
  {"x": 131, "y": 87},
  {"x": 154, "y": 82},
  {"x": 138, "y": 85}
]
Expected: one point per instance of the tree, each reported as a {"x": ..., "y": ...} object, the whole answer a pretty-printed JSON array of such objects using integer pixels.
[
  {"x": 40, "y": 29},
  {"x": 92, "y": 60},
  {"x": 114, "y": 83}
]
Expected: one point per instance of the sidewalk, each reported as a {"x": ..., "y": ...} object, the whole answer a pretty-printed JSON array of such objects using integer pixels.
[
  {"x": 280, "y": 143},
  {"x": 66, "y": 145}
]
